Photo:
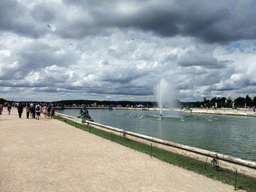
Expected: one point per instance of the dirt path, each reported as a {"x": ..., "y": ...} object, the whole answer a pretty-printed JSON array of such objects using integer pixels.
[{"x": 49, "y": 155}]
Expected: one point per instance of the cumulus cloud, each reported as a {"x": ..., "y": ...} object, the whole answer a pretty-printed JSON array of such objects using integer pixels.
[
  {"x": 120, "y": 50},
  {"x": 204, "y": 60}
]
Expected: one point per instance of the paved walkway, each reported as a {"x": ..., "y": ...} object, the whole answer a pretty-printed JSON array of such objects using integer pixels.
[{"x": 49, "y": 155}]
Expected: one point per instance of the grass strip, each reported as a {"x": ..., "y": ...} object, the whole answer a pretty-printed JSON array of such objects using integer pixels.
[{"x": 226, "y": 176}]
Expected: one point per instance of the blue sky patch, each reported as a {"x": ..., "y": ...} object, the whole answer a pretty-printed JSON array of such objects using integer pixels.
[{"x": 236, "y": 45}]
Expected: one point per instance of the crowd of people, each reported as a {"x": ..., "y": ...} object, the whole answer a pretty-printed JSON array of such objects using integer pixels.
[{"x": 32, "y": 110}]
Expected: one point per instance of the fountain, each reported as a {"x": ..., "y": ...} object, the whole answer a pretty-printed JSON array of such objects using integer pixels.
[{"x": 165, "y": 96}]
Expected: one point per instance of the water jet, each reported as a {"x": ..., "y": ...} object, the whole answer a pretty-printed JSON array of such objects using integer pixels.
[{"x": 165, "y": 96}]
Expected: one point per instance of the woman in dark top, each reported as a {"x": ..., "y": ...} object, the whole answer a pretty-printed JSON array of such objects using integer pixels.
[{"x": 20, "y": 109}]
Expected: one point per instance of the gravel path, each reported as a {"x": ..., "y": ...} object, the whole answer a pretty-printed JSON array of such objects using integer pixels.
[{"x": 49, "y": 155}]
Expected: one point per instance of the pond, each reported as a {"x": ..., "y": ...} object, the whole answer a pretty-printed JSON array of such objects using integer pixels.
[{"x": 229, "y": 135}]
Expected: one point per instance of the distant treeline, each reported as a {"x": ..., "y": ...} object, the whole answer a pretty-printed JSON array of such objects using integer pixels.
[
  {"x": 239, "y": 102},
  {"x": 107, "y": 103},
  {"x": 2, "y": 101},
  {"x": 209, "y": 103}
]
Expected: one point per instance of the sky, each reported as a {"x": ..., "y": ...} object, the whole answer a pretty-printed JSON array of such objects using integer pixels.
[{"x": 54, "y": 50}]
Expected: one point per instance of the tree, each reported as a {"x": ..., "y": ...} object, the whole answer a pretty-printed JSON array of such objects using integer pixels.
[
  {"x": 2, "y": 101},
  {"x": 221, "y": 101},
  {"x": 239, "y": 102},
  {"x": 229, "y": 102},
  {"x": 248, "y": 101}
]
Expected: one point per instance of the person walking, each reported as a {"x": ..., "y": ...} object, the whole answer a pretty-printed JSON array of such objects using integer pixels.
[
  {"x": 52, "y": 112},
  {"x": 49, "y": 110},
  {"x": 9, "y": 108},
  {"x": 44, "y": 110},
  {"x": 33, "y": 110},
  {"x": 27, "y": 110},
  {"x": 20, "y": 109},
  {"x": 1, "y": 109},
  {"x": 38, "y": 111}
]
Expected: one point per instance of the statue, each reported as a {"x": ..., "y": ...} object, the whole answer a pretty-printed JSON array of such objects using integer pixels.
[{"x": 84, "y": 114}]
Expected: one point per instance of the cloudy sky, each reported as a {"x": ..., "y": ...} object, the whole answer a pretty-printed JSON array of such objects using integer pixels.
[{"x": 120, "y": 49}]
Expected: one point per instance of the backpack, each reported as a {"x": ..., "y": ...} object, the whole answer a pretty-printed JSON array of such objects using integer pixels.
[{"x": 37, "y": 108}]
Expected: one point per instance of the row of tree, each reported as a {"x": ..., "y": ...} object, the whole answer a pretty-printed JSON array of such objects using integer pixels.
[
  {"x": 107, "y": 103},
  {"x": 220, "y": 102},
  {"x": 209, "y": 103}
]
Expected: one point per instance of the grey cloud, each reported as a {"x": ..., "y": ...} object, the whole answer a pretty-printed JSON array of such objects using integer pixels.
[
  {"x": 211, "y": 78},
  {"x": 253, "y": 82},
  {"x": 9, "y": 10},
  {"x": 35, "y": 57},
  {"x": 54, "y": 79},
  {"x": 120, "y": 76},
  {"x": 247, "y": 90},
  {"x": 79, "y": 29},
  {"x": 27, "y": 30},
  {"x": 75, "y": 2},
  {"x": 184, "y": 86},
  {"x": 235, "y": 85},
  {"x": 73, "y": 88},
  {"x": 142, "y": 91},
  {"x": 193, "y": 71},
  {"x": 43, "y": 14},
  {"x": 207, "y": 63},
  {"x": 105, "y": 62},
  {"x": 46, "y": 90},
  {"x": 228, "y": 87},
  {"x": 208, "y": 26},
  {"x": 38, "y": 60},
  {"x": 205, "y": 21},
  {"x": 42, "y": 81},
  {"x": 42, "y": 55},
  {"x": 124, "y": 90},
  {"x": 222, "y": 84},
  {"x": 193, "y": 58},
  {"x": 152, "y": 19},
  {"x": 20, "y": 83},
  {"x": 193, "y": 80},
  {"x": 171, "y": 57},
  {"x": 13, "y": 20}
]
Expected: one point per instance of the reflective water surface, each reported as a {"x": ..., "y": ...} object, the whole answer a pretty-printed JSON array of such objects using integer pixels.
[{"x": 230, "y": 135}]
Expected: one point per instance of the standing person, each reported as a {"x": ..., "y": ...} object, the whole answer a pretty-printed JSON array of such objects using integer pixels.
[
  {"x": 38, "y": 111},
  {"x": 20, "y": 109},
  {"x": 33, "y": 110},
  {"x": 1, "y": 109},
  {"x": 49, "y": 110},
  {"x": 44, "y": 110},
  {"x": 52, "y": 112},
  {"x": 27, "y": 110},
  {"x": 9, "y": 108}
]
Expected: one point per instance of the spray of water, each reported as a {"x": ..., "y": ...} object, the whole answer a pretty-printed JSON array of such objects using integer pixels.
[{"x": 165, "y": 95}]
